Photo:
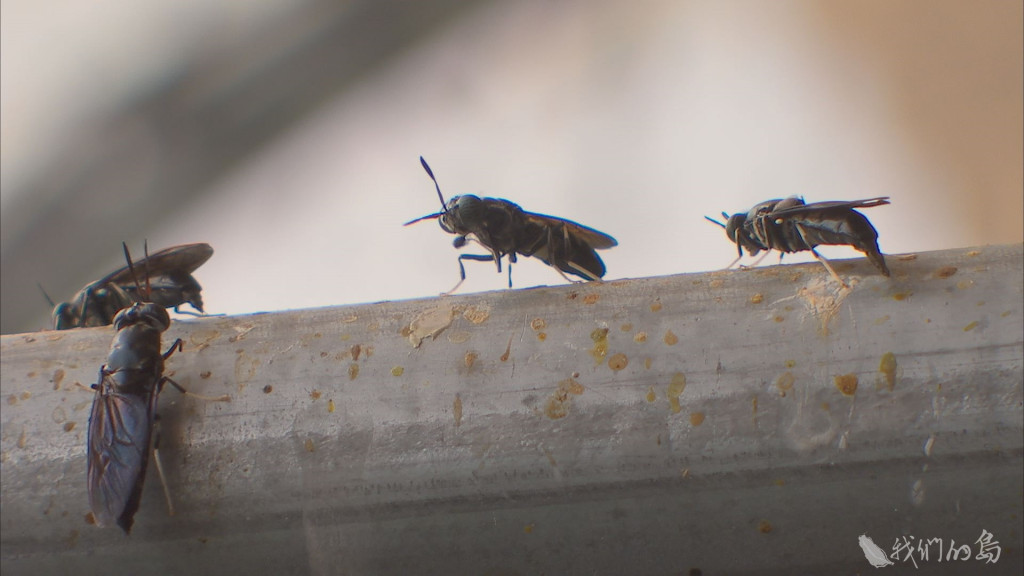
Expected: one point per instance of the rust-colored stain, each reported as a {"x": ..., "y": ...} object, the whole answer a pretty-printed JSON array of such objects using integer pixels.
[
  {"x": 31, "y": 374},
  {"x": 780, "y": 318},
  {"x": 330, "y": 406},
  {"x": 626, "y": 327},
  {"x": 764, "y": 527},
  {"x": 12, "y": 399},
  {"x": 757, "y": 298},
  {"x": 716, "y": 283},
  {"x": 675, "y": 389},
  {"x": 573, "y": 295},
  {"x": 670, "y": 338},
  {"x": 310, "y": 447},
  {"x": 354, "y": 351},
  {"x": 696, "y": 418},
  {"x": 90, "y": 519},
  {"x": 477, "y": 314},
  {"x": 640, "y": 337},
  {"x": 538, "y": 324},
  {"x": 508, "y": 351},
  {"x": 971, "y": 326},
  {"x": 647, "y": 363},
  {"x": 901, "y": 296},
  {"x": 600, "y": 349},
  {"x": 887, "y": 367},
  {"x": 205, "y": 374},
  {"x": 315, "y": 394},
  {"x": 470, "y": 358},
  {"x": 591, "y": 298},
  {"x": 542, "y": 336},
  {"x": 656, "y": 306},
  {"x": 397, "y": 371},
  {"x": 22, "y": 439},
  {"x": 268, "y": 389},
  {"x": 558, "y": 403},
  {"x": 846, "y": 383},
  {"x": 784, "y": 383},
  {"x": 353, "y": 371},
  {"x": 618, "y": 361},
  {"x": 457, "y": 410},
  {"x": 245, "y": 369},
  {"x": 26, "y": 395},
  {"x": 945, "y": 272},
  {"x": 58, "y": 377},
  {"x": 651, "y": 396},
  {"x": 69, "y": 426}
]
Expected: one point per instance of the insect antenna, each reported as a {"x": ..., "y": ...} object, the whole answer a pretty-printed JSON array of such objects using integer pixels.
[
  {"x": 713, "y": 221},
  {"x": 45, "y": 295},
  {"x": 131, "y": 268},
  {"x": 439, "y": 196}
]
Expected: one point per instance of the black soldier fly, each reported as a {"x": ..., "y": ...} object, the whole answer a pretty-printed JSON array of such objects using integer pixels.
[
  {"x": 123, "y": 417},
  {"x": 790, "y": 225},
  {"x": 171, "y": 286},
  {"x": 505, "y": 229}
]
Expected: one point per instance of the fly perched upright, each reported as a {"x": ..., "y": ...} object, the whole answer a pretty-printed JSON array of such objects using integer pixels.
[
  {"x": 790, "y": 225},
  {"x": 171, "y": 286},
  {"x": 123, "y": 416},
  {"x": 505, "y": 229}
]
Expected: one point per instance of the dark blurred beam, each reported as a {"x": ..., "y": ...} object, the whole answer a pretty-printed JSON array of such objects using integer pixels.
[{"x": 123, "y": 175}]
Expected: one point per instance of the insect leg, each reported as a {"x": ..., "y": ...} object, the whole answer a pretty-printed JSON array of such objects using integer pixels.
[
  {"x": 462, "y": 268},
  {"x": 159, "y": 464},
  {"x": 177, "y": 346},
  {"x": 820, "y": 258}
]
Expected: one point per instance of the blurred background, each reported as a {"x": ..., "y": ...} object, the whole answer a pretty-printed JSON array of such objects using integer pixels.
[{"x": 286, "y": 133}]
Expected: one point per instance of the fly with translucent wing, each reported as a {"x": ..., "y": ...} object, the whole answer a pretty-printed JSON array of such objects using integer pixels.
[
  {"x": 789, "y": 225},
  {"x": 170, "y": 280},
  {"x": 123, "y": 416},
  {"x": 506, "y": 230}
]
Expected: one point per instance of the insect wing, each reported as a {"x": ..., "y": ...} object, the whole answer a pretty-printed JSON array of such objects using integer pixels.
[
  {"x": 183, "y": 259},
  {"x": 120, "y": 428},
  {"x": 830, "y": 206},
  {"x": 593, "y": 238}
]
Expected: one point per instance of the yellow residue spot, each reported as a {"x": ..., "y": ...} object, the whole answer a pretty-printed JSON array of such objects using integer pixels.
[
  {"x": 350, "y": 319},
  {"x": 309, "y": 445},
  {"x": 26, "y": 395},
  {"x": 967, "y": 328},
  {"x": 656, "y": 306},
  {"x": 591, "y": 298},
  {"x": 330, "y": 406},
  {"x": 470, "y": 358},
  {"x": 716, "y": 283},
  {"x": 888, "y": 368},
  {"x": 58, "y": 377},
  {"x": 640, "y": 337},
  {"x": 779, "y": 482},
  {"x": 315, "y": 394},
  {"x": 542, "y": 336},
  {"x": 757, "y": 298},
  {"x": 790, "y": 363},
  {"x": 429, "y": 324},
  {"x": 696, "y": 418},
  {"x": 477, "y": 314},
  {"x": 600, "y": 349},
  {"x": 945, "y": 272},
  {"x": 784, "y": 383},
  {"x": 69, "y": 426},
  {"x": 353, "y": 371},
  {"x": 779, "y": 319},
  {"x": 964, "y": 284},
  {"x": 671, "y": 339},
  {"x": 626, "y": 327},
  {"x": 457, "y": 410},
  {"x": 618, "y": 361},
  {"x": 22, "y": 439},
  {"x": 12, "y": 399},
  {"x": 397, "y": 371},
  {"x": 1005, "y": 314},
  {"x": 528, "y": 529},
  {"x": 354, "y": 351},
  {"x": 651, "y": 396},
  {"x": 558, "y": 403},
  {"x": 882, "y": 320},
  {"x": 973, "y": 253},
  {"x": 538, "y": 324},
  {"x": 647, "y": 363},
  {"x": 764, "y": 527},
  {"x": 900, "y": 296},
  {"x": 846, "y": 383},
  {"x": 675, "y": 389}
]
